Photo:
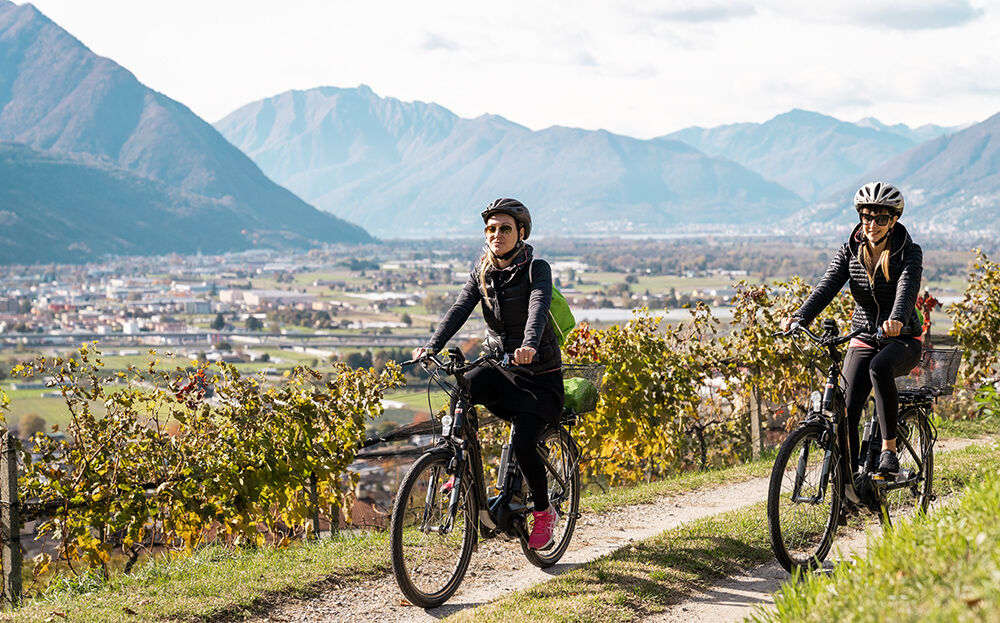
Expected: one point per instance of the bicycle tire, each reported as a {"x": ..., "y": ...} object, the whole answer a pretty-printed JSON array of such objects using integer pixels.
[
  {"x": 802, "y": 531},
  {"x": 562, "y": 455},
  {"x": 429, "y": 564},
  {"x": 915, "y": 452}
]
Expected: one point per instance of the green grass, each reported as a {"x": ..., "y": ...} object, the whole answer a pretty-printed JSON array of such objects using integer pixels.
[
  {"x": 647, "y": 493},
  {"x": 944, "y": 566},
  {"x": 968, "y": 429},
  {"x": 213, "y": 583},
  {"x": 417, "y": 400}
]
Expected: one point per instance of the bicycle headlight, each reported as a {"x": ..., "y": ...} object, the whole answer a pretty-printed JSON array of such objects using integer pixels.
[
  {"x": 446, "y": 422},
  {"x": 817, "y": 401}
]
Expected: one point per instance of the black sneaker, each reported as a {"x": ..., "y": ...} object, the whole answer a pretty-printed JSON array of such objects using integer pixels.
[{"x": 888, "y": 463}]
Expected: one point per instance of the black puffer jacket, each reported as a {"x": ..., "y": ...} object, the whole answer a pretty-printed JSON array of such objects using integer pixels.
[
  {"x": 877, "y": 300},
  {"x": 517, "y": 315}
]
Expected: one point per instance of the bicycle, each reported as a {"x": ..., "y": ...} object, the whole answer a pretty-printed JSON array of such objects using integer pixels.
[
  {"x": 808, "y": 485},
  {"x": 441, "y": 509}
]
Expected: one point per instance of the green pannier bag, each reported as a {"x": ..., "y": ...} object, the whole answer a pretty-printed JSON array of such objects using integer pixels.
[
  {"x": 580, "y": 395},
  {"x": 560, "y": 316}
]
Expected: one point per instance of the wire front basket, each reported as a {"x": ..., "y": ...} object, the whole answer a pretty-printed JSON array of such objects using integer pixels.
[
  {"x": 582, "y": 399},
  {"x": 938, "y": 369}
]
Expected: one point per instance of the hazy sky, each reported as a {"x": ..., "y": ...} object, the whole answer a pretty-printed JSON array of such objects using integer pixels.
[{"x": 638, "y": 68}]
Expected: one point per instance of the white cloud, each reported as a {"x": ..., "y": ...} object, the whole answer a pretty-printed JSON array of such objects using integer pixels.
[
  {"x": 692, "y": 11},
  {"x": 433, "y": 41},
  {"x": 887, "y": 15}
]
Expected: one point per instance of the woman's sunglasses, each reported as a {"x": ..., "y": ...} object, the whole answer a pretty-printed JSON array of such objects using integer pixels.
[
  {"x": 506, "y": 230},
  {"x": 880, "y": 219}
]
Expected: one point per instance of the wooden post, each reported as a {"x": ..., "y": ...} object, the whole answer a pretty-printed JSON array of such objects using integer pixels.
[
  {"x": 314, "y": 504},
  {"x": 10, "y": 520},
  {"x": 756, "y": 439}
]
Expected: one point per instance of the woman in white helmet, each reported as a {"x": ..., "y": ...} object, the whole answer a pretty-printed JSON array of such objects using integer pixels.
[{"x": 883, "y": 266}]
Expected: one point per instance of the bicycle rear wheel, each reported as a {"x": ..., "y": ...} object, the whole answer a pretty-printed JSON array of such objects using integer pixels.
[
  {"x": 915, "y": 451},
  {"x": 802, "y": 510},
  {"x": 430, "y": 548},
  {"x": 562, "y": 464}
]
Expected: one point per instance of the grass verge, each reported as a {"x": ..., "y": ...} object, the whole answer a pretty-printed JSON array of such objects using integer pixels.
[
  {"x": 649, "y": 575},
  {"x": 647, "y": 493},
  {"x": 213, "y": 584},
  {"x": 944, "y": 566}
]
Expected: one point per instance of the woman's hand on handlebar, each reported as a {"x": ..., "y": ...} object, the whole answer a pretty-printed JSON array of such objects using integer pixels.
[
  {"x": 419, "y": 353},
  {"x": 786, "y": 323},
  {"x": 891, "y": 328},
  {"x": 524, "y": 355}
]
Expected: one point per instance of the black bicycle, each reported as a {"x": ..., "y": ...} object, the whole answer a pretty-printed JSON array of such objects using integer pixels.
[
  {"x": 811, "y": 481},
  {"x": 442, "y": 509}
]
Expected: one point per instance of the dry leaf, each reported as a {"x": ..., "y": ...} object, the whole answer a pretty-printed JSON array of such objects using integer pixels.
[{"x": 129, "y": 611}]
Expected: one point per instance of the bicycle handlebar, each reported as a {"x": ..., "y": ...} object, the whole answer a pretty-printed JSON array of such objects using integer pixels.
[
  {"x": 453, "y": 367},
  {"x": 819, "y": 340}
]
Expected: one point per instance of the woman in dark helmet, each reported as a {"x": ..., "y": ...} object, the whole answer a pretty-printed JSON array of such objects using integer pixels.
[
  {"x": 883, "y": 267},
  {"x": 515, "y": 292}
]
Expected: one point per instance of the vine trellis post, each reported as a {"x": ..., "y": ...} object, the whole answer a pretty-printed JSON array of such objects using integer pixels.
[{"x": 10, "y": 520}]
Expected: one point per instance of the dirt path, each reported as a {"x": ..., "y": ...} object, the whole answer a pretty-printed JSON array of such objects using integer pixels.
[{"x": 499, "y": 567}]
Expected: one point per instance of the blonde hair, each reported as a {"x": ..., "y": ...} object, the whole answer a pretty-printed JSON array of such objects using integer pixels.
[
  {"x": 871, "y": 265},
  {"x": 487, "y": 261}
]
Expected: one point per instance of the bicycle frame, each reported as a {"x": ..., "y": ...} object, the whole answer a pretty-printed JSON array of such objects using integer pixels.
[
  {"x": 833, "y": 413},
  {"x": 460, "y": 438}
]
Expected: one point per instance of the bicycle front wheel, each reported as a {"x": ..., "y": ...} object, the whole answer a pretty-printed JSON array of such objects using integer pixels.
[
  {"x": 802, "y": 505},
  {"x": 431, "y": 547},
  {"x": 562, "y": 463},
  {"x": 914, "y": 448}
]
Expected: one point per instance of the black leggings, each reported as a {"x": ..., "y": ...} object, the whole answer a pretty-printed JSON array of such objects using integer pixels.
[
  {"x": 876, "y": 367},
  {"x": 530, "y": 415}
]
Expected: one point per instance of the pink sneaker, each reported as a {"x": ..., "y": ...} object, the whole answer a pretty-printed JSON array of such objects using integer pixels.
[
  {"x": 448, "y": 486},
  {"x": 543, "y": 529}
]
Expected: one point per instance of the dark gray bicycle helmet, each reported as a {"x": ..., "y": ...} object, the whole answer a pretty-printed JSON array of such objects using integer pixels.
[
  {"x": 879, "y": 195},
  {"x": 513, "y": 208}
]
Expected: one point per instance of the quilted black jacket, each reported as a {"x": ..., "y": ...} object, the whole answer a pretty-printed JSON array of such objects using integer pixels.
[
  {"x": 518, "y": 313},
  {"x": 876, "y": 300}
]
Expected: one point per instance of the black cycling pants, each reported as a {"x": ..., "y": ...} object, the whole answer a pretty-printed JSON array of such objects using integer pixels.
[
  {"x": 876, "y": 368},
  {"x": 529, "y": 412}
]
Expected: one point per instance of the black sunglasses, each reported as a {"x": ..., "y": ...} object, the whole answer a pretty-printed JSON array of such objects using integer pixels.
[
  {"x": 504, "y": 229},
  {"x": 880, "y": 219}
]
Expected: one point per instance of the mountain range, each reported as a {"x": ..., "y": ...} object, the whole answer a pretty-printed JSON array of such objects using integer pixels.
[
  {"x": 810, "y": 153},
  {"x": 58, "y": 96},
  {"x": 415, "y": 169},
  {"x": 951, "y": 183}
]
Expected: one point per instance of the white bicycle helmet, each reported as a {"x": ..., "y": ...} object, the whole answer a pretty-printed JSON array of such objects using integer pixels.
[{"x": 879, "y": 195}]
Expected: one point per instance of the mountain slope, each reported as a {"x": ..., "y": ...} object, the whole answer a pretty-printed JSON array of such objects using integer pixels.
[
  {"x": 950, "y": 183},
  {"x": 410, "y": 168},
  {"x": 806, "y": 152},
  {"x": 55, "y": 94},
  {"x": 64, "y": 208}
]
